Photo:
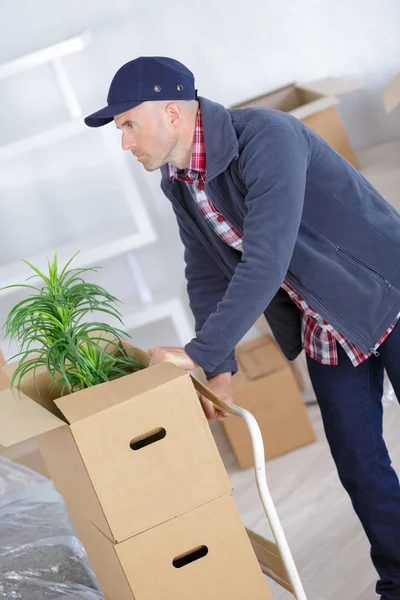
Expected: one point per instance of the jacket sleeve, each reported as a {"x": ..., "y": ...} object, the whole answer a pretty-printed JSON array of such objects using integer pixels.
[
  {"x": 273, "y": 166},
  {"x": 206, "y": 286}
]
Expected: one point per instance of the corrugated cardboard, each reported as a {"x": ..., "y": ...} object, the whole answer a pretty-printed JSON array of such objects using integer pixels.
[
  {"x": 391, "y": 94},
  {"x": 99, "y": 462},
  {"x": 270, "y": 560},
  {"x": 157, "y": 564},
  {"x": 104, "y": 561},
  {"x": 266, "y": 386},
  {"x": 314, "y": 103}
]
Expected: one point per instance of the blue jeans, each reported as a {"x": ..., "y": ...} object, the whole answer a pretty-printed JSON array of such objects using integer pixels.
[{"x": 350, "y": 400}]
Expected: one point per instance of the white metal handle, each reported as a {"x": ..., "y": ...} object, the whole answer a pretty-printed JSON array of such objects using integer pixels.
[{"x": 266, "y": 499}]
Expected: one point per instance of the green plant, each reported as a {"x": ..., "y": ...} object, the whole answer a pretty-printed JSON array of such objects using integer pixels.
[{"x": 50, "y": 329}]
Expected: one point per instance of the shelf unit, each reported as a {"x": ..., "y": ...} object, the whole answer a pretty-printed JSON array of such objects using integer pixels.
[{"x": 94, "y": 249}]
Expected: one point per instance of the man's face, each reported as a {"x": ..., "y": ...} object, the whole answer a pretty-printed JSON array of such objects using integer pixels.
[{"x": 148, "y": 133}]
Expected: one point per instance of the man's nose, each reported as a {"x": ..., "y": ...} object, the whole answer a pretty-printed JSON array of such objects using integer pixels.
[{"x": 128, "y": 142}]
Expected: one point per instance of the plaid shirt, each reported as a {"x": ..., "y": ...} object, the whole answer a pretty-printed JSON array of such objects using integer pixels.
[{"x": 318, "y": 337}]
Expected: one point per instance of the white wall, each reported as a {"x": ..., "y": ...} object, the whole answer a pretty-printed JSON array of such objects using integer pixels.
[
  {"x": 247, "y": 47},
  {"x": 236, "y": 50}
]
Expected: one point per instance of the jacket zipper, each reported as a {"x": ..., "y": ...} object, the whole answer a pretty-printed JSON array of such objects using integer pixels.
[{"x": 358, "y": 262}]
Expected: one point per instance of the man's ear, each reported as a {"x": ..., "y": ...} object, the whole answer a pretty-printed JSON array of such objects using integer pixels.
[{"x": 174, "y": 113}]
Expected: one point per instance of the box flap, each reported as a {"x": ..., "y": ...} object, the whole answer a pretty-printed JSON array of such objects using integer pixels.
[
  {"x": 391, "y": 94},
  {"x": 22, "y": 418},
  {"x": 133, "y": 352},
  {"x": 259, "y": 358},
  {"x": 283, "y": 98},
  {"x": 331, "y": 86},
  {"x": 207, "y": 393},
  {"x": 315, "y": 106},
  {"x": 90, "y": 401}
]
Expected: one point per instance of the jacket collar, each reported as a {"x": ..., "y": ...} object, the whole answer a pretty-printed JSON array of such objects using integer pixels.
[{"x": 219, "y": 136}]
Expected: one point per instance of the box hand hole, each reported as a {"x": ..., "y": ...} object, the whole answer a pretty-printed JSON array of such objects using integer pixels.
[
  {"x": 189, "y": 557},
  {"x": 148, "y": 438}
]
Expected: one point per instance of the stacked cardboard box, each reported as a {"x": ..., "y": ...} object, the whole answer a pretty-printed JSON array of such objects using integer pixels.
[
  {"x": 144, "y": 484},
  {"x": 267, "y": 386},
  {"x": 314, "y": 103}
]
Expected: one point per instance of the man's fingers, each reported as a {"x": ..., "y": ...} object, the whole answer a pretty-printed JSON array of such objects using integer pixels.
[
  {"x": 223, "y": 415},
  {"x": 211, "y": 411},
  {"x": 208, "y": 407},
  {"x": 175, "y": 355}
]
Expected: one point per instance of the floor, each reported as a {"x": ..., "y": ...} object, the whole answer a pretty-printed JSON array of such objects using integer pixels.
[{"x": 328, "y": 545}]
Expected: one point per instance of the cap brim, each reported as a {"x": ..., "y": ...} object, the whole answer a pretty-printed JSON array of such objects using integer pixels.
[{"x": 106, "y": 114}]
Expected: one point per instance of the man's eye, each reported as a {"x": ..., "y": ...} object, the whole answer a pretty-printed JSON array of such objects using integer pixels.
[{"x": 130, "y": 125}]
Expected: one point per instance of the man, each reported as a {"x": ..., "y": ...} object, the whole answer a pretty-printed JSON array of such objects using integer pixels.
[{"x": 274, "y": 221}]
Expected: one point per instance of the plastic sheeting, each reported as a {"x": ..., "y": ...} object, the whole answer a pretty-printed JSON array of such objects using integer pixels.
[{"x": 41, "y": 558}]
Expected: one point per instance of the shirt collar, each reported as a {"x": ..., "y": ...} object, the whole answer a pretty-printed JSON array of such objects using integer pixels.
[{"x": 197, "y": 166}]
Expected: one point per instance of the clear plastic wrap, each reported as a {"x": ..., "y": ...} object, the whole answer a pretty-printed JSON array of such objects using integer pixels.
[{"x": 41, "y": 558}]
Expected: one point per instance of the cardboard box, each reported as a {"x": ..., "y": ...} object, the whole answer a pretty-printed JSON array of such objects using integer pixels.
[
  {"x": 4, "y": 381},
  {"x": 203, "y": 554},
  {"x": 103, "y": 560},
  {"x": 315, "y": 104},
  {"x": 157, "y": 519},
  {"x": 266, "y": 386},
  {"x": 126, "y": 455},
  {"x": 391, "y": 94}
]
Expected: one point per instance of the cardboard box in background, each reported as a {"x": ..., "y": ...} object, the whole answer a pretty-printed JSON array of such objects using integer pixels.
[
  {"x": 266, "y": 386},
  {"x": 299, "y": 365},
  {"x": 26, "y": 453},
  {"x": 315, "y": 104},
  {"x": 4, "y": 382},
  {"x": 391, "y": 94},
  {"x": 300, "y": 369},
  {"x": 204, "y": 553}
]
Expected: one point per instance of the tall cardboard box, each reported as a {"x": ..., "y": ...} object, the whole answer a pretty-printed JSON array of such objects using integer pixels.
[
  {"x": 135, "y": 460},
  {"x": 315, "y": 104},
  {"x": 266, "y": 386}
]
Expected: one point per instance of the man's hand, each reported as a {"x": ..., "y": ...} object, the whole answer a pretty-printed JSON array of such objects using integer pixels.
[
  {"x": 221, "y": 386},
  {"x": 176, "y": 356}
]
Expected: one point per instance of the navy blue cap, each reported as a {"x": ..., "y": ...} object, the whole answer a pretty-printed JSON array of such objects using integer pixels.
[{"x": 144, "y": 79}]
